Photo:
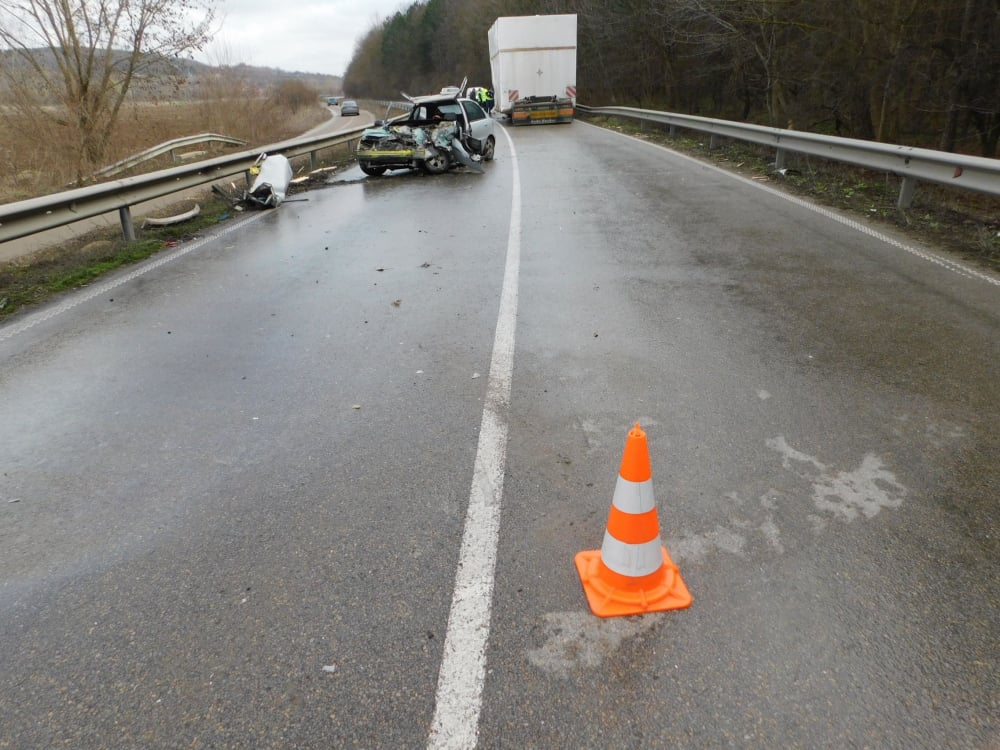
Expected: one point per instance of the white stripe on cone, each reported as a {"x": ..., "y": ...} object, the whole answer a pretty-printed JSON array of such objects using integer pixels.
[
  {"x": 633, "y": 560},
  {"x": 634, "y": 497}
]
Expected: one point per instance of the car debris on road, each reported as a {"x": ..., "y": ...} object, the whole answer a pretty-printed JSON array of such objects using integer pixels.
[
  {"x": 270, "y": 185},
  {"x": 151, "y": 221},
  {"x": 272, "y": 180}
]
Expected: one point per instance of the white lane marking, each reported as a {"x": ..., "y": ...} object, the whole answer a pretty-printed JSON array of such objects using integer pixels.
[
  {"x": 463, "y": 666},
  {"x": 90, "y": 292},
  {"x": 954, "y": 266}
]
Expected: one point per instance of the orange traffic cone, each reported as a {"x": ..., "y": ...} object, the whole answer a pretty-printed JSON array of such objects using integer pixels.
[{"x": 632, "y": 572}]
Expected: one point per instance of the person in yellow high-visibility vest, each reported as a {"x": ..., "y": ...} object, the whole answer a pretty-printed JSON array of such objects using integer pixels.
[{"x": 485, "y": 98}]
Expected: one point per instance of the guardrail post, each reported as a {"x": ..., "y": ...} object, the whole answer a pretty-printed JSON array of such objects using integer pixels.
[
  {"x": 713, "y": 142},
  {"x": 313, "y": 164},
  {"x": 128, "y": 229},
  {"x": 906, "y": 192},
  {"x": 779, "y": 159},
  {"x": 673, "y": 130}
]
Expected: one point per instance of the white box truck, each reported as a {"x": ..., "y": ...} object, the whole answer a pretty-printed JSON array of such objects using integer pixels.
[{"x": 533, "y": 63}]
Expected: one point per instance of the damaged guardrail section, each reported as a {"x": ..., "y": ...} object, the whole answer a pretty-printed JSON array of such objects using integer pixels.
[
  {"x": 910, "y": 164},
  {"x": 168, "y": 147},
  {"x": 26, "y": 217}
]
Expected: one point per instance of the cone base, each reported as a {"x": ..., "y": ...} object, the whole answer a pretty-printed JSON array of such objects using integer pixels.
[{"x": 611, "y": 594}]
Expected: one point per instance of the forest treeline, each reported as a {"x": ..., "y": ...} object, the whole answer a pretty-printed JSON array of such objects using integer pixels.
[{"x": 912, "y": 72}]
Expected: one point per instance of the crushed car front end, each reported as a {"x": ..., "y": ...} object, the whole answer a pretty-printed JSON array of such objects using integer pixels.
[
  {"x": 388, "y": 147},
  {"x": 433, "y": 147}
]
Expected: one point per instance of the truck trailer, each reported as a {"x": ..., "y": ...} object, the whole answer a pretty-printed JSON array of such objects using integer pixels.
[{"x": 533, "y": 63}]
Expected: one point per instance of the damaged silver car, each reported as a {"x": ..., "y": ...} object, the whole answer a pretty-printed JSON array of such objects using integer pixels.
[{"x": 440, "y": 132}]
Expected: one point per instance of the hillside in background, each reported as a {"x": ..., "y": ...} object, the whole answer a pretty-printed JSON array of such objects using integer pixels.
[
  {"x": 187, "y": 79},
  {"x": 263, "y": 78}
]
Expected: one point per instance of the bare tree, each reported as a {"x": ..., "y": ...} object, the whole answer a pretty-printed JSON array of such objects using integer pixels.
[{"x": 81, "y": 57}]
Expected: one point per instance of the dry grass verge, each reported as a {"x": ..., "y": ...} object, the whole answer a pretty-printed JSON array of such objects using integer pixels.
[
  {"x": 40, "y": 159},
  {"x": 36, "y": 278}
]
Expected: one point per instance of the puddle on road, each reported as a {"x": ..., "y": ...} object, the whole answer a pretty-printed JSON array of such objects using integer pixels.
[
  {"x": 579, "y": 639},
  {"x": 866, "y": 490},
  {"x": 862, "y": 492}
]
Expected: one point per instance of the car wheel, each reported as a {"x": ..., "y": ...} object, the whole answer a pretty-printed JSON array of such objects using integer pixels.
[
  {"x": 489, "y": 148},
  {"x": 437, "y": 163},
  {"x": 372, "y": 171}
]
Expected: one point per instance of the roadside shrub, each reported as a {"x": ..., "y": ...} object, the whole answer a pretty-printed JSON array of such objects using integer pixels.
[{"x": 295, "y": 95}]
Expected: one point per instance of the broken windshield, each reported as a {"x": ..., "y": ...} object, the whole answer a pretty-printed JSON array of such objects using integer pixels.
[{"x": 444, "y": 111}]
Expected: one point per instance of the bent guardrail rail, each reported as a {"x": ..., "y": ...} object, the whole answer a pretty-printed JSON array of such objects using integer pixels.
[
  {"x": 167, "y": 147},
  {"x": 26, "y": 217},
  {"x": 910, "y": 164}
]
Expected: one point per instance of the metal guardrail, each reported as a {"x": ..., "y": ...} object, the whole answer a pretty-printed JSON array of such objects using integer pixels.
[
  {"x": 390, "y": 105},
  {"x": 167, "y": 147},
  {"x": 910, "y": 164},
  {"x": 47, "y": 212}
]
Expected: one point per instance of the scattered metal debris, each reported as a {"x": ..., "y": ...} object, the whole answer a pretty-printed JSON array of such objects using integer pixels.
[
  {"x": 150, "y": 221},
  {"x": 272, "y": 185},
  {"x": 268, "y": 190}
]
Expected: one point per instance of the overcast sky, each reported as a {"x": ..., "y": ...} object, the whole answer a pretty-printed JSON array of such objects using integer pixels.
[{"x": 313, "y": 36}]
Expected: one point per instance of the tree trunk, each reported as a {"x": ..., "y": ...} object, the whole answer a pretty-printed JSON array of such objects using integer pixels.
[{"x": 955, "y": 78}]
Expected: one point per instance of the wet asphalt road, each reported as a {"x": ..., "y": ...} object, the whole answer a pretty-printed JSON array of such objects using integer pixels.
[{"x": 233, "y": 485}]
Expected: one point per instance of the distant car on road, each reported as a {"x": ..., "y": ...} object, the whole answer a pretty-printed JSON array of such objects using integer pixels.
[
  {"x": 349, "y": 107},
  {"x": 333, "y": 100}
]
